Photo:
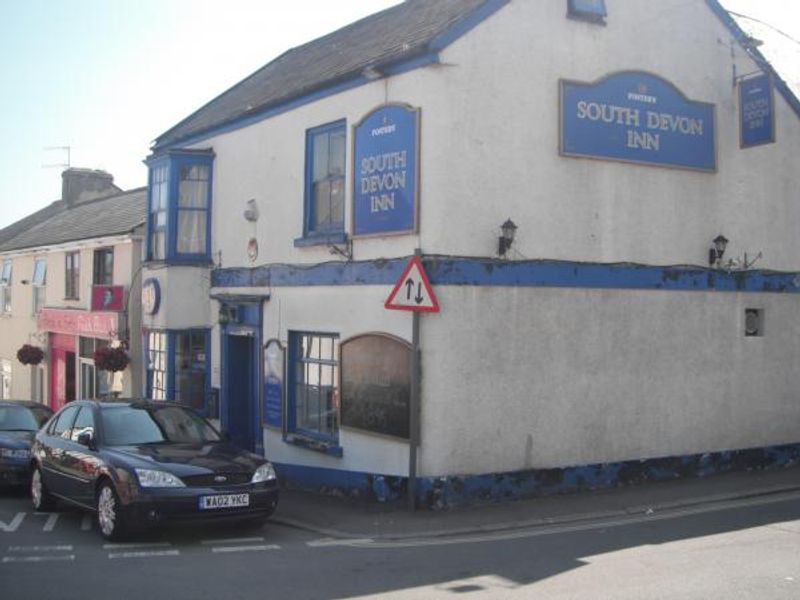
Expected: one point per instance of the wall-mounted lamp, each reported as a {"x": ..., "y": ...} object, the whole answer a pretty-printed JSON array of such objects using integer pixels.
[
  {"x": 227, "y": 314},
  {"x": 717, "y": 250},
  {"x": 504, "y": 241}
]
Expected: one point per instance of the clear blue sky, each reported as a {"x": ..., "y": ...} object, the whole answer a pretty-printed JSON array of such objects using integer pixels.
[{"x": 107, "y": 76}]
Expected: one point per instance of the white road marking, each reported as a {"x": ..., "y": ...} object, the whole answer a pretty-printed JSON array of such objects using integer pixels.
[
  {"x": 232, "y": 541},
  {"x": 52, "y": 519},
  {"x": 325, "y": 542},
  {"x": 135, "y": 545},
  {"x": 245, "y": 548},
  {"x": 23, "y": 559},
  {"x": 145, "y": 554},
  {"x": 65, "y": 548},
  {"x": 12, "y": 526}
]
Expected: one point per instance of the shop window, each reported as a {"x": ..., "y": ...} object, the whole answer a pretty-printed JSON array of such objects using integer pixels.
[
  {"x": 103, "y": 273},
  {"x": 72, "y": 277},
  {"x": 179, "y": 200},
  {"x": 190, "y": 368},
  {"x": 157, "y": 365},
  {"x": 93, "y": 382},
  {"x": 587, "y": 10},
  {"x": 313, "y": 386},
  {"x": 5, "y": 287},
  {"x": 5, "y": 379},
  {"x": 38, "y": 281},
  {"x": 325, "y": 181}
]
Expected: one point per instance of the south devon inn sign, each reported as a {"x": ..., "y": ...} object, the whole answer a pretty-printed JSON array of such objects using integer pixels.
[{"x": 637, "y": 117}]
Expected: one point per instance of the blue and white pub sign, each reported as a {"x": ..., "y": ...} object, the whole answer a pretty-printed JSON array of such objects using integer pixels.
[
  {"x": 637, "y": 117},
  {"x": 386, "y": 171},
  {"x": 756, "y": 111}
]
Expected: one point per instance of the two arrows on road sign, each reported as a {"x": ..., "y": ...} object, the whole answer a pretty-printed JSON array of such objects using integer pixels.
[{"x": 413, "y": 290}]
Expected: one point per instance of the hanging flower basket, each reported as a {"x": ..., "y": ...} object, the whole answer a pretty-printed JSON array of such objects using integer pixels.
[
  {"x": 111, "y": 359},
  {"x": 30, "y": 355}
]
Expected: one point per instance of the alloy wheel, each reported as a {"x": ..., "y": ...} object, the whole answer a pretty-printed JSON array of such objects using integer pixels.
[{"x": 107, "y": 511}]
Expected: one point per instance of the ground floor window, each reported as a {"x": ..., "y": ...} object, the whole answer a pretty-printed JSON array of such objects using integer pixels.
[
  {"x": 313, "y": 385},
  {"x": 93, "y": 382},
  {"x": 5, "y": 379},
  {"x": 177, "y": 366},
  {"x": 37, "y": 384}
]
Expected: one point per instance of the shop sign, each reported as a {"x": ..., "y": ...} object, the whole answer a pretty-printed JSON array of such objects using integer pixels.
[
  {"x": 756, "y": 111},
  {"x": 640, "y": 118},
  {"x": 274, "y": 358},
  {"x": 386, "y": 171},
  {"x": 78, "y": 322},
  {"x": 108, "y": 297}
]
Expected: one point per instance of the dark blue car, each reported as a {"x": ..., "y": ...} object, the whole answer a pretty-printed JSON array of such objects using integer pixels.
[
  {"x": 137, "y": 463},
  {"x": 19, "y": 421}
]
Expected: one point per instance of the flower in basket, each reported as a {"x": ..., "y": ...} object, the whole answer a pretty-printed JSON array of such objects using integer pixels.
[
  {"x": 30, "y": 355},
  {"x": 111, "y": 359}
]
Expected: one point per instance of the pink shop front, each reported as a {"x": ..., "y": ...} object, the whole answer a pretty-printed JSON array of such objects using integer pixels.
[{"x": 73, "y": 336}]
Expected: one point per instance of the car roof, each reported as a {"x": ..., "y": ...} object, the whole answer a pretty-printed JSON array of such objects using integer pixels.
[
  {"x": 118, "y": 402},
  {"x": 25, "y": 403}
]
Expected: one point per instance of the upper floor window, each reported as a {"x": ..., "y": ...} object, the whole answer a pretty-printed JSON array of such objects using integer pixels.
[
  {"x": 72, "y": 279},
  {"x": 38, "y": 281},
  {"x": 179, "y": 214},
  {"x": 587, "y": 10},
  {"x": 325, "y": 179},
  {"x": 103, "y": 267},
  {"x": 5, "y": 286}
]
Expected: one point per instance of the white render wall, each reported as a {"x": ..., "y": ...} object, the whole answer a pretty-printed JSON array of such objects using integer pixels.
[{"x": 518, "y": 378}]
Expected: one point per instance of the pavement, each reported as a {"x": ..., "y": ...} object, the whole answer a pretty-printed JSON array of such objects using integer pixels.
[{"x": 346, "y": 519}]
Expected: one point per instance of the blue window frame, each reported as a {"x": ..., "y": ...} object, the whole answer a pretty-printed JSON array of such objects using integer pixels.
[
  {"x": 178, "y": 366},
  {"x": 179, "y": 207},
  {"x": 325, "y": 184},
  {"x": 314, "y": 386},
  {"x": 587, "y": 10}
]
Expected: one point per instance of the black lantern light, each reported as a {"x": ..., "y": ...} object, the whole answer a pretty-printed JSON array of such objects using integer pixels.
[
  {"x": 715, "y": 253},
  {"x": 504, "y": 241}
]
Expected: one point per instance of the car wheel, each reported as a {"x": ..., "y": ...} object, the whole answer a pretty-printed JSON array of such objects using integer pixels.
[
  {"x": 41, "y": 498},
  {"x": 110, "y": 519}
]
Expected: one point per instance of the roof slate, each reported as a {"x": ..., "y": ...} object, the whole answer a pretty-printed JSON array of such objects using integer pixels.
[
  {"x": 113, "y": 215},
  {"x": 397, "y": 34}
]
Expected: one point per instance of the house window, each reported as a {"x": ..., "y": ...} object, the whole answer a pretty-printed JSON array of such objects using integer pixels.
[
  {"x": 159, "y": 193},
  {"x": 93, "y": 382},
  {"x": 103, "y": 273},
  {"x": 5, "y": 379},
  {"x": 72, "y": 270},
  {"x": 37, "y": 384},
  {"x": 157, "y": 365},
  {"x": 179, "y": 218},
  {"x": 587, "y": 10},
  {"x": 5, "y": 287},
  {"x": 190, "y": 370},
  {"x": 38, "y": 281},
  {"x": 313, "y": 385},
  {"x": 325, "y": 160}
]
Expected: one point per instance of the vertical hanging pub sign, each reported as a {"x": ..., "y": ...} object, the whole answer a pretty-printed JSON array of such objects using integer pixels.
[
  {"x": 386, "y": 171},
  {"x": 274, "y": 359},
  {"x": 756, "y": 112}
]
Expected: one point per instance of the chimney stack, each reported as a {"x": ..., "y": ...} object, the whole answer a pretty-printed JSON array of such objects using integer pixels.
[{"x": 81, "y": 185}]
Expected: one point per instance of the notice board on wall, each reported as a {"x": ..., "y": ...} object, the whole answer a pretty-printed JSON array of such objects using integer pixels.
[{"x": 376, "y": 384}]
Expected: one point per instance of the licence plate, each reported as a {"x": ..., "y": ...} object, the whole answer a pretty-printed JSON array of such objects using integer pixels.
[{"x": 224, "y": 501}]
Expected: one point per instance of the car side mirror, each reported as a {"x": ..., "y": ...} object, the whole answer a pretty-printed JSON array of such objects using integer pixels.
[{"x": 86, "y": 439}]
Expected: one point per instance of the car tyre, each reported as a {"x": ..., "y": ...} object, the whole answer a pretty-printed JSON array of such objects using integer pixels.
[
  {"x": 42, "y": 500},
  {"x": 110, "y": 517}
]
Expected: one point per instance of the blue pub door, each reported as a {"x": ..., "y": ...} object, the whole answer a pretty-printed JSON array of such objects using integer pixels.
[{"x": 241, "y": 392}]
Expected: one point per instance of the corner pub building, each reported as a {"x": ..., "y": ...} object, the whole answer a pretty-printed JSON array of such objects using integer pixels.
[{"x": 641, "y": 324}]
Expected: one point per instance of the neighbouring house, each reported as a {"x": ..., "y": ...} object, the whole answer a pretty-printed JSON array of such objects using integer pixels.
[
  {"x": 480, "y": 249},
  {"x": 70, "y": 285}
]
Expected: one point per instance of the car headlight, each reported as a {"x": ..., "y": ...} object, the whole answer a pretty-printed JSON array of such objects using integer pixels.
[
  {"x": 15, "y": 453},
  {"x": 265, "y": 472},
  {"x": 151, "y": 478}
]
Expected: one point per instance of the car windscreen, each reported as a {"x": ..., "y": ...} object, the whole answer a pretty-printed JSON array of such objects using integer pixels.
[
  {"x": 19, "y": 418},
  {"x": 133, "y": 425}
]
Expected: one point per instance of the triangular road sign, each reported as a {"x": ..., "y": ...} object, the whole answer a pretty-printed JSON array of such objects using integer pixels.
[{"x": 413, "y": 290}]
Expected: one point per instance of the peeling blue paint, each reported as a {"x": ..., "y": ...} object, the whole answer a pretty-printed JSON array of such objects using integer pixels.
[
  {"x": 529, "y": 273},
  {"x": 439, "y": 493}
]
